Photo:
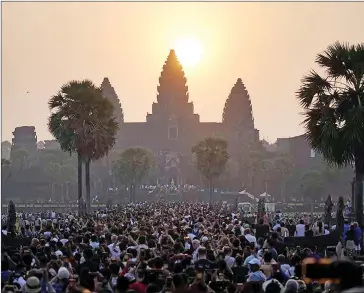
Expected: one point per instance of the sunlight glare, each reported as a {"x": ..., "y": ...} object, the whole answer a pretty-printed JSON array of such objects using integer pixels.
[{"x": 189, "y": 51}]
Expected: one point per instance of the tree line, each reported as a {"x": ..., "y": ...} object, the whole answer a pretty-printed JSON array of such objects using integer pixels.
[{"x": 82, "y": 121}]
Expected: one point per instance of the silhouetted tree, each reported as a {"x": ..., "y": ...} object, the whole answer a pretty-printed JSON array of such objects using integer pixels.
[{"x": 211, "y": 158}]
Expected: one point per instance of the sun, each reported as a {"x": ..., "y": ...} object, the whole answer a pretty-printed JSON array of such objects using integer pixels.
[{"x": 189, "y": 51}]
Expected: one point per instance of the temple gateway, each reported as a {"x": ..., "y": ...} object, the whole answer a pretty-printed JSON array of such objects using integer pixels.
[{"x": 173, "y": 127}]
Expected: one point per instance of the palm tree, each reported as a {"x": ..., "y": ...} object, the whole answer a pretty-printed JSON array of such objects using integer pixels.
[
  {"x": 334, "y": 110},
  {"x": 99, "y": 136},
  {"x": 211, "y": 158},
  {"x": 79, "y": 124}
]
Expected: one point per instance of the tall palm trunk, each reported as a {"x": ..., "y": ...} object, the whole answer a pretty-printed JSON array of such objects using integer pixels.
[
  {"x": 79, "y": 170},
  {"x": 359, "y": 178},
  {"x": 88, "y": 187}
]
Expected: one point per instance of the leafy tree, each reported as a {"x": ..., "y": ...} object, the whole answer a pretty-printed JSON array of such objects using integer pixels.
[
  {"x": 333, "y": 107},
  {"x": 82, "y": 122},
  {"x": 312, "y": 184},
  {"x": 283, "y": 166},
  {"x": 211, "y": 158},
  {"x": 132, "y": 166}
]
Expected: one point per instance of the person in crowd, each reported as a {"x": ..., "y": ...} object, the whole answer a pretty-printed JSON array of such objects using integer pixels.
[{"x": 164, "y": 247}]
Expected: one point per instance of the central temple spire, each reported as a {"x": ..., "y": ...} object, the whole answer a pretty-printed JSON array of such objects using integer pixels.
[{"x": 172, "y": 82}]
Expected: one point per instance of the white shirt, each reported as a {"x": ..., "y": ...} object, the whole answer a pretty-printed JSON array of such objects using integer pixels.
[
  {"x": 64, "y": 241},
  {"x": 114, "y": 250},
  {"x": 300, "y": 230},
  {"x": 20, "y": 281},
  {"x": 192, "y": 236},
  {"x": 251, "y": 238},
  {"x": 94, "y": 244},
  {"x": 58, "y": 253},
  {"x": 229, "y": 261}
]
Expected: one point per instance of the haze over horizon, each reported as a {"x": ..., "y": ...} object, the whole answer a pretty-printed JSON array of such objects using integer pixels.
[{"x": 270, "y": 46}]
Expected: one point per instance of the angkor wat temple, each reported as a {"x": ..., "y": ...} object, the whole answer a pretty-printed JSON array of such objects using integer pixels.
[{"x": 172, "y": 128}]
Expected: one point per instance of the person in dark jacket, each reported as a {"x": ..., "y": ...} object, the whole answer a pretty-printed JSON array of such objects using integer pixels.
[{"x": 350, "y": 240}]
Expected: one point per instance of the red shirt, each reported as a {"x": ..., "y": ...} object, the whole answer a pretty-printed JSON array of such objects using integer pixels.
[{"x": 139, "y": 287}]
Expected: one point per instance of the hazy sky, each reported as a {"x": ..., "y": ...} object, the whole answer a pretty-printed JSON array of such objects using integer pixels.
[{"x": 269, "y": 45}]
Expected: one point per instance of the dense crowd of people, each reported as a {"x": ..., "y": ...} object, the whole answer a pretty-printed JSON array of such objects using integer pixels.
[{"x": 172, "y": 247}]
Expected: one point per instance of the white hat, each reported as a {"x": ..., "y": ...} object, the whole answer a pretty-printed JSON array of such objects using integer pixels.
[
  {"x": 63, "y": 273},
  {"x": 32, "y": 285}
]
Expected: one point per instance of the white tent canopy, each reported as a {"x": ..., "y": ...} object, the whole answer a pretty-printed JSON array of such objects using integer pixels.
[
  {"x": 265, "y": 194},
  {"x": 244, "y": 192}
]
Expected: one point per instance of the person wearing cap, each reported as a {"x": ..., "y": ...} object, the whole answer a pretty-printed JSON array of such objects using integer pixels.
[
  {"x": 60, "y": 282},
  {"x": 255, "y": 275},
  {"x": 32, "y": 285}
]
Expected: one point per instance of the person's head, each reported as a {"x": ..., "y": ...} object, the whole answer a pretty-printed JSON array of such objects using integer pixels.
[
  {"x": 239, "y": 260},
  {"x": 122, "y": 285},
  {"x": 281, "y": 259},
  {"x": 195, "y": 243},
  {"x": 142, "y": 240},
  {"x": 227, "y": 251},
  {"x": 32, "y": 285},
  {"x": 236, "y": 243},
  {"x": 292, "y": 286},
  {"x": 254, "y": 265},
  {"x": 88, "y": 254},
  {"x": 267, "y": 257},
  {"x": 114, "y": 238},
  {"x": 282, "y": 224},
  {"x": 179, "y": 281},
  {"x": 63, "y": 274},
  {"x": 272, "y": 286},
  {"x": 247, "y": 231},
  {"x": 114, "y": 268},
  {"x": 202, "y": 252},
  {"x": 302, "y": 222},
  {"x": 158, "y": 263}
]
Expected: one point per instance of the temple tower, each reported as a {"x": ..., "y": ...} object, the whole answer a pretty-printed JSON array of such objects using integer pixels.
[
  {"x": 237, "y": 119},
  {"x": 172, "y": 124},
  {"x": 25, "y": 139},
  {"x": 109, "y": 93},
  {"x": 172, "y": 93}
]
